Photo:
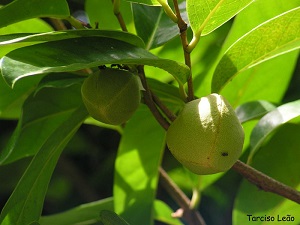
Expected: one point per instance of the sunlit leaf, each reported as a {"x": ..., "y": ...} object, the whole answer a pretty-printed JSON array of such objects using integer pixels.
[
  {"x": 271, "y": 39},
  {"x": 206, "y": 16},
  {"x": 26, "y": 202},
  {"x": 136, "y": 168},
  {"x": 28, "y": 9},
  {"x": 272, "y": 121},
  {"x": 62, "y": 56},
  {"x": 268, "y": 80}
]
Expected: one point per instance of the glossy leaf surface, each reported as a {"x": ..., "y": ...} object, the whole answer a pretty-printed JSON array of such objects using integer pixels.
[
  {"x": 253, "y": 110},
  {"x": 61, "y": 35},
  {"x": 61, "y": 56}
]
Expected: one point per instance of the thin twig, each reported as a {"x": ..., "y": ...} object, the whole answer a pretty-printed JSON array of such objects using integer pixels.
[
  {"x": 163, "y": 107},
  {"x": 149, "y": 101},
  {"x": 192, "y": 216},
  {"x": 265, "y": 182},
  {"x": 187, "y": 55}
]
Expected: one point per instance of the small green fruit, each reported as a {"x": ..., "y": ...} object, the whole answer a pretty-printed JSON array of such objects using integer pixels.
[
  {"x": 206, "y": 137},
  {"x": 111, "y": 95}
]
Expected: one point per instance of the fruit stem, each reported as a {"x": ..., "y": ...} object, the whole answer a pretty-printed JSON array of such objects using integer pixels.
[
  {"x": 184, "y": 42},
  {"x": 118, "y": 14},
  {"x": 163, "y": 107},
  {"x": 196, "y": 198}
]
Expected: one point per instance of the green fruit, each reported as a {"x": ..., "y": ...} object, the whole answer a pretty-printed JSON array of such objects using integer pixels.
[
  {"x": 111, "y": 96},
  {"x": 206, "y": 137}
]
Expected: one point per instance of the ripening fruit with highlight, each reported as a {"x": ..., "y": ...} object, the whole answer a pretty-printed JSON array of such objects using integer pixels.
[
  {"x": 207, "y": 136},
  {"x": 111, "y": 95}
]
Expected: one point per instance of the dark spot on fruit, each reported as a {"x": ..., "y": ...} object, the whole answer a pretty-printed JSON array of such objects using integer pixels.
[{"x": 224, "y": 153}]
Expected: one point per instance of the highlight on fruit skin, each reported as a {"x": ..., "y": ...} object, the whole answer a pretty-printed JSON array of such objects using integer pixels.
[
  {"x": 111, "y": 95},
  {"x": 207, "y": 136}
]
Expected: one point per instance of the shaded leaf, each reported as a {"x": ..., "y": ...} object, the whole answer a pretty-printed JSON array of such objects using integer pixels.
[
  {"x": 136, "y": 167},
  {"x": 60, "y": 80},
  {"x": 272, "y": 38},
  {"x": 26, "y": 202},
  {"x": 110, "y": 218},
  {"x": 271, "y": 122},
  {"x": 277, "y": 160},
  {"x": 32, "y": 8},
  {"x": 62, "y": 56},
  {"x": 154, "y": 26},
  {"x": 61, "y": 35},
  {"x": 206, "y": 16},
  {"x": 42, "y": 115},
  {"x": 101, "y": 13},
  {"x": 253, "y": 110},
  {"x": 83, "y": 214},
  {"x": 11, "y": 101}
]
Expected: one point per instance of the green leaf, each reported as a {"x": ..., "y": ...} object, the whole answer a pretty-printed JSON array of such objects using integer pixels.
[
  {"x": 278, "y": 159},
  {"x": 61, "y": 35},
  {"x": 168, "y": 94},
  {"x": 11, "y": 101},
  {"x": 254, "y": 83},
  {"x": 26, "y": 202},
  {"x": 271, "y": 39},
  {"x": 206, "y": 16},
  {"x": 268, "y": 81},
  {"x": 263, "y": 10},
  {"x": 32, "y": 8},
  {"x": 84, "y": 214},
  {"x": 42, "y": 114},
  {"x": 136, "y": 167},
  {"x": 62, "y": 56},
  {"x": 59, "y": 80},
  {"x": 110, "y": 218},
  {"x": 163, "y": 213},
  {"x": 271, "y": 122},
  {"x": 253, "y": 110},
  {"x": 154, "y": 26}
]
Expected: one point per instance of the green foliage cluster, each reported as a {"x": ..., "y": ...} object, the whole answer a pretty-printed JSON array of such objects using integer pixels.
[{"x": 245, "y": 50}]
